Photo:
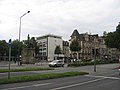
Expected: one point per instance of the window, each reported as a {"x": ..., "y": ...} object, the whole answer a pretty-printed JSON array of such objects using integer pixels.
[
  {"x": 40, "y": 54},
  {"x": 44, "y": 53},
  {"x": 44, "y": 48},
  {"x": 40, "y": 49},
  {"x": 44, "y": 45}
]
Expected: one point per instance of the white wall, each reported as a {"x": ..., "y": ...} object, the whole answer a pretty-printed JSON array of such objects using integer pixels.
[{"x": 52, "y": 43}]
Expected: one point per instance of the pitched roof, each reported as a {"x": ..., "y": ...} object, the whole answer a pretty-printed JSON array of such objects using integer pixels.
[
  {"x": 75, "y": 33},
  {"x": 82, "y": 36}
]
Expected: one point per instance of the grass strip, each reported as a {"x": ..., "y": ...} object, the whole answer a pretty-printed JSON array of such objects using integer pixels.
[
  {"x": 39, "y": 77},
  {"x": 24, "y": 69}
]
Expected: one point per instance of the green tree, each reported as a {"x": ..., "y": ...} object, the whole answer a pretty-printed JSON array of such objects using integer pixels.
[
  {"x": 33, "y": 44},
  {"x": 58, "y": 50},
  {"x": 104, "y": 33},
  {"x": 112, "y": 39},
  {"x": 75, "y": 46},
  {"x": 117, "y": 37},
  {"x": 16, "y": 48},
  {"x": 3, "y": 48},
  {"x": 109, "y": 39}
]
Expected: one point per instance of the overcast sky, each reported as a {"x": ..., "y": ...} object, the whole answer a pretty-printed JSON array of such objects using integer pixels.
[{"x": 58, "y": 17}]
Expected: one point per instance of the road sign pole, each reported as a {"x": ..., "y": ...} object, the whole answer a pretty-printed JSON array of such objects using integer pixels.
[{"x": 9, "y": 58}]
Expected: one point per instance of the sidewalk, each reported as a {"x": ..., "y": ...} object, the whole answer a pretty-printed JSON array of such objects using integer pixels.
[
  {"x": 99, "y": 68},
  {"x": 5, "y": 65}
]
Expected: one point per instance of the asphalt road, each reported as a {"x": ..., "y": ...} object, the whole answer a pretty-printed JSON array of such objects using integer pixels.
[
  {"x": 110, "y": 81},
  {"x": 100, "y": 68},
  {"x": 105, "y": 78}
]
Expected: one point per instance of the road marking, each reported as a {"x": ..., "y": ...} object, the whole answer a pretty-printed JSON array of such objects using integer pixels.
[
  {"x": 73, "y": 85},
  {"x": 36, "y": 85},
  {"x": 16, "y": 88},
  {"x": 103, "y": 77}
]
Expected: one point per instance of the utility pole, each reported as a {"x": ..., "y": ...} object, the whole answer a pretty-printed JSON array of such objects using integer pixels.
[{"x": 94, "y": 55}]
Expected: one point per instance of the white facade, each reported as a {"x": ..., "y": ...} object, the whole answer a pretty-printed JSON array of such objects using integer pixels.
[{"x": 47, "y": 45}]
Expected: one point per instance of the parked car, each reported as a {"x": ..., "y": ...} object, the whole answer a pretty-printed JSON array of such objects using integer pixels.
[{"x": 56, "y": 63}]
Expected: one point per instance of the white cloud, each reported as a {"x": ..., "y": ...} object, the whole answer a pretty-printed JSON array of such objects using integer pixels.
[{"x": 59, "y": 17}]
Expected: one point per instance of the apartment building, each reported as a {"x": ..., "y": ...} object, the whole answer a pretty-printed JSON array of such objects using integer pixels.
[
  {"x": 47, "y": 45},
  {"x": 66, "y": 49},
  {"x": 92, "y": 46}
]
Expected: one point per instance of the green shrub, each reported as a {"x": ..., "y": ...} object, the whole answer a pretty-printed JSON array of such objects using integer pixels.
[
  {"x": 39, "y": 77},
  {"x": 77, "y": 64}
]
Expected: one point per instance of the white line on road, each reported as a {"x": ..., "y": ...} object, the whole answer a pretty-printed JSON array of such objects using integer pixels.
[
  {"x": 16, "y": 88},
  {"x": 73, "y": 85},
  {"x": 36, "y": 85},
  {"x": 102, "y": 77}
]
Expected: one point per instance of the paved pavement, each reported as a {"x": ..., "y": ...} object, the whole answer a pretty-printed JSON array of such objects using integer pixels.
[
  {"x": 5, "y": 65},
  {"x": 105, "y": 78},
  {"x": 105, "y": 68},
  {"x": 99, "y": 68}
]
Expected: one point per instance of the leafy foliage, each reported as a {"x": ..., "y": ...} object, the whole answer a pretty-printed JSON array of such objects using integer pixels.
[
  {"x": 112, "y": 39},
  {"x": 75, "y": 46},
  {"x": 16, "y": 47},
  {"x": 3, "y": 48},
  {"x": 109, "y": 39},
  {"x": 58, "y": 50}
]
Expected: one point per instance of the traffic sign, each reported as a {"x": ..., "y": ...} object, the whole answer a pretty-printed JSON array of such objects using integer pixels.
[{"x": 9, "y": 43}]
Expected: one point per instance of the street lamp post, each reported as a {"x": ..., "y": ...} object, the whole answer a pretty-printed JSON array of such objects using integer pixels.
[
  {"x": 20, "y": 31},
  {"x": 20, "y": 23}
]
